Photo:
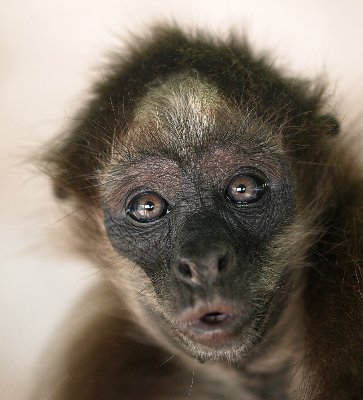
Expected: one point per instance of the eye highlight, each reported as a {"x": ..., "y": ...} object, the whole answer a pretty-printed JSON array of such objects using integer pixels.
[
  {"x": 147, "y": 207},
  {"x": 244, "y": 189}
]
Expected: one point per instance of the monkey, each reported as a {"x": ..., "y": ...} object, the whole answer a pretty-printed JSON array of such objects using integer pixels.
[{"x": 224, "y": 211}]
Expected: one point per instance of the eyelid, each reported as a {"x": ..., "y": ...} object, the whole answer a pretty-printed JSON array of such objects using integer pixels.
[
  {"x": 145, "y": 190},
  {"x": 249, "y": 171}
]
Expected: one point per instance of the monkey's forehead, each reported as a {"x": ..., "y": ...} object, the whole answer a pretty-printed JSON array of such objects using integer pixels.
[{"x": 186, "y": 115}]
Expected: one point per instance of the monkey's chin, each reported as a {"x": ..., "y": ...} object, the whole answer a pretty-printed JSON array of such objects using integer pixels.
[{"x": 231, "y": 349}]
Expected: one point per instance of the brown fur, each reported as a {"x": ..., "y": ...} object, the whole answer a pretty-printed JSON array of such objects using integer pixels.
[{"x": 316, "y": 349}]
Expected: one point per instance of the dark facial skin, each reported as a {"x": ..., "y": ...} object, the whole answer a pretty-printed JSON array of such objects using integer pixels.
[{"x": 205, "y": 253}]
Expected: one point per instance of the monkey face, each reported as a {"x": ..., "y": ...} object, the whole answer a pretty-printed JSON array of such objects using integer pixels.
[
  {"x": 203, "y": 235},
  {"x": 202, "y": 218}
]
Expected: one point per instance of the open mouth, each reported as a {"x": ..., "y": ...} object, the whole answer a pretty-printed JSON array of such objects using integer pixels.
[
  {"x": 213, "y": 324},
  {"x": 214, "y": 318}
]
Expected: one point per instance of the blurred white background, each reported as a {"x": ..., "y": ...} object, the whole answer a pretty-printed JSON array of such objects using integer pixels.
[{"x": 49, "y": 52}]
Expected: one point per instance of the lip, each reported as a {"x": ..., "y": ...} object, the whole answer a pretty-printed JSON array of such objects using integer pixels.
[{"x": 214, "y": 324}]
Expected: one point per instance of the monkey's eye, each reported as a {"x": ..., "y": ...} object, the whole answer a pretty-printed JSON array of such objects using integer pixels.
[
  {"x": 245, "y": 189},
  {"x": 147, "y": 207}
]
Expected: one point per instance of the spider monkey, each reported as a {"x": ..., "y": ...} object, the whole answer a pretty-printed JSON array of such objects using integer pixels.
[{"x": 226, "y": 216}]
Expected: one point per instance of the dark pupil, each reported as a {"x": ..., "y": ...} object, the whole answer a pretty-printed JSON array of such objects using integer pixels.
[
  {"x": 241, "y": 188},
  {"x": 149, "y": 206}
]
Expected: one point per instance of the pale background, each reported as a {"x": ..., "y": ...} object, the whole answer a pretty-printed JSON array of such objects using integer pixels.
[{"x": 49, "y": 52}]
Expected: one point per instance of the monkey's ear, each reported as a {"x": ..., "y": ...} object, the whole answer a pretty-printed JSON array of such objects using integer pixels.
[
  {"x": 72, "y": 162},
  {"x": 59, "y": 191},
  {"x": 331, "y": 124}
]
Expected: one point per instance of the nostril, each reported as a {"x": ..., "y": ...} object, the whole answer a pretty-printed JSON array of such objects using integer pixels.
[
  {"x": 223, "y": 262},
  {"x": 185, "y": 270}
]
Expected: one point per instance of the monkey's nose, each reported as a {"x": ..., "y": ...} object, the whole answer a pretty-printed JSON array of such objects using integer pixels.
[{"x": 205, "y": 267}]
